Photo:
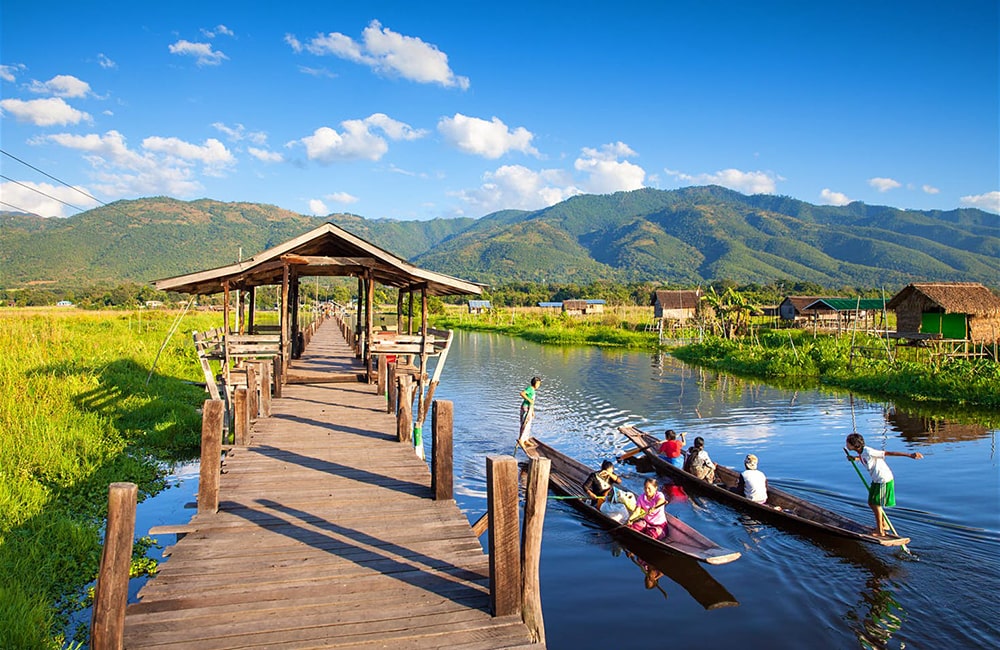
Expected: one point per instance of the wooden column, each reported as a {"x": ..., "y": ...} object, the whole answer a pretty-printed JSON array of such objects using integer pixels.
[
  {"x": 442, "y": 418},
  {"x": 225, "y": 307},
  {"x": 107, "y": 622},
  {"x": 359, "y": 316},
  {"x": 212, "y": 413},
  {"x": 399, "y": 311},
  {"x": 252, "y": 304},
  {"x": 296, "y": 349},
  {"x": 285, "y": 329},
  {"x": 241, "y": 417},
  {"x": 279, "y": 377},
  {"x": 369, "y": 320},
  {"x": 409, "y": 320},
  {"x": 253, "y": 397},
  {"x": 383, "y": 367},
  {"x": 265, "y": 388},
  {"x": 535, "y": 498},
  {"x": 392, "y": 388},
  {"x": 404, "y": 418},
  {"x": 504, "y": 546}
]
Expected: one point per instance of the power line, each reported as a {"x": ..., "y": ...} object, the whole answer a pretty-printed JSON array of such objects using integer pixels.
[
  {"x": 28, "y": 187},
  {"x": 75, "y": 189}
]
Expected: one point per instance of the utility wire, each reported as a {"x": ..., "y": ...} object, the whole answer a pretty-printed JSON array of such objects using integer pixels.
[
  {"x": 75, "y": 189},
  {"x": 28, "y": 187}
]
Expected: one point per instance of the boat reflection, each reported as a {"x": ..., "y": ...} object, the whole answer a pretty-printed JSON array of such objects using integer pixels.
[{"x": 686, "y": 572}]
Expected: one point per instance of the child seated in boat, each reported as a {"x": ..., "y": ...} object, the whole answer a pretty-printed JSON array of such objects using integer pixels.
[
  {"x": 698, "y": 461},
  {"x": 650, "y": 516},
  {"x": 752, "y": 483},
  {"x": 598, "y": 484},
  {"x": 672, "y": 449}
]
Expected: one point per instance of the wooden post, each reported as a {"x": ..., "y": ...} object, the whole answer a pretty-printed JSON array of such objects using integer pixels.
[
  {"x": 442, "y": 418},
  {"x": 265, "y": 389},
  {"x": 535, "y": 498},
  {"x": 404, "y": 418},
  {"x": 211, "y": 454},
  {"x": 382, "y": 368},
  {"x": 252, "y": 302},
  {"x": 253, "y": 398},
  {"x": 285, "y": 329},
  {"x": 107, "y": 622},
  {"x": 241, "y": 417},
  {"x": 504, "y": 546},
  {"x": 369, "y": 322},
  {"x": 279, "y": 376},
  {"x": 392, "y": 389}
]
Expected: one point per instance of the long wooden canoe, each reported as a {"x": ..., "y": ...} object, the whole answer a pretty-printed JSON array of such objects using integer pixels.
[
  {"x": 781, "y": 507},
  {"x": 566, "y": 477}
]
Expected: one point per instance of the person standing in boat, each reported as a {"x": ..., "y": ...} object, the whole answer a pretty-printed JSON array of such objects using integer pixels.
[
  {"x": 650, "y": 516},
  {"x": 528, "y": 409},
  {"x": 752, "y": 483},
  {"x": 598, "y": 484},
  {"x": 698, "y": 461},
  {"x": 672, "y": 448},
  {"x": 882, "y": 491}
]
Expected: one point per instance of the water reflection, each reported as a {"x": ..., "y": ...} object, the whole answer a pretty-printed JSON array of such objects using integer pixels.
[
  {"x": 916, "y": 427},
  {"x": 685, "y": 572}
]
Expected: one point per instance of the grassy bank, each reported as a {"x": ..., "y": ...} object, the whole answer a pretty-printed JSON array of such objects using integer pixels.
[
  {"x": 77, "y": 414},
  {"x": 798, "y": 355}
]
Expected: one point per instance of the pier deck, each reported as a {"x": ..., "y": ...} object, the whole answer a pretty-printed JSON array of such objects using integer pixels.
[{"x": 327, "y": 536}]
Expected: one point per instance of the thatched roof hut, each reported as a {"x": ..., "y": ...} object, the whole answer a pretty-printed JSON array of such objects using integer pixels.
[
  {"x": 950, "y": 310},
  {"x": 678, "y": 304}
]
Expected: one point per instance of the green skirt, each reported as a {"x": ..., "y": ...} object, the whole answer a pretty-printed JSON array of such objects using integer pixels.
[{"x": 882, "y": 494}]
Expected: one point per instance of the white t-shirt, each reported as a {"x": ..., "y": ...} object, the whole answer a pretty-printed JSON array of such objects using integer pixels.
[
  {"x": 755, "y": 485},
  {"x": 874, "y": 460}
]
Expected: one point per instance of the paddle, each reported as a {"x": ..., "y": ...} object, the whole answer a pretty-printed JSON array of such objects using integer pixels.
[
  {"x": 861, "y": 476},
  {"x": 630, "y": 454}
]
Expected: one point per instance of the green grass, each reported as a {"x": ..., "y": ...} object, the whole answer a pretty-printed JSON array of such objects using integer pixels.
[{"x": 77, "y": 414}]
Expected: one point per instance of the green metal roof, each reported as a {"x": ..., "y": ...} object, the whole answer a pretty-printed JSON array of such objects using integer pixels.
[{"x": 848, "y": 304}]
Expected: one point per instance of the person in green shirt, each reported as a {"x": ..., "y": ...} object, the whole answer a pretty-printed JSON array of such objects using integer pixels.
[{"x": 528, "y": 409}]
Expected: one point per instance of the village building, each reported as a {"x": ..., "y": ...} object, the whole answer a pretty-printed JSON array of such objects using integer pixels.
[
  {"x": 947, "y": 310},
  {"x": 797, "y": 308},
  {"x": 679, "y": 305},
  {"x": 581, "y": 307},
  {"x": 479, "y": 306}
]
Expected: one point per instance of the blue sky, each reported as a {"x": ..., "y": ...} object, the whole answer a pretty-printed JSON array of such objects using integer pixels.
[{"x": 393, "y": 109}]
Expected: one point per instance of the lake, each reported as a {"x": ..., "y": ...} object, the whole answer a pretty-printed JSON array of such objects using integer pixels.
[{"x": 788, "y": 590}]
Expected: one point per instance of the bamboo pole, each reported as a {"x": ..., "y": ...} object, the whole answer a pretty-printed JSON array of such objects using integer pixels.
[
  {"x": 531, "y": 546},
  {"x": 107, "y": 623}
]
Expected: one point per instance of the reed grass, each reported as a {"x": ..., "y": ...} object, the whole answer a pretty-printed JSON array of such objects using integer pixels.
[{"x": 76, "y": 413}]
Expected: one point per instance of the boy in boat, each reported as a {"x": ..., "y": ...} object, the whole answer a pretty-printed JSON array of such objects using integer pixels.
[
  {"x": 649, "y": 517},
  {"x": 528, "y": 409},
  {"x": 698, "y": 461},
  {"x": 882, "y": 491},
  {"x": 752, "y": 483},
  {"x": 672, "y": 448},
  {"x": 598, "y": 484}
]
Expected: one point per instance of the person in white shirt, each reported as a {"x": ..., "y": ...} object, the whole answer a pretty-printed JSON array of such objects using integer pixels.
[
  {"x": 752, "y": 483},
  {"x": 882, "y": 491}
]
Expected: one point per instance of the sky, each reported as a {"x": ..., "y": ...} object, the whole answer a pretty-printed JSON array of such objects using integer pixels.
[{"x": 410, "y": 110}]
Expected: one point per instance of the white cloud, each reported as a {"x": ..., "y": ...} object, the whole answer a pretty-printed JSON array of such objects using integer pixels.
[
  {"x": 488, "y": 139},
  {"x": 32, "y": 197},
  {"x": 105, "y": 62},
  {"x": 212, "y": 153},
  {"x": 53, "y": 111},
  {"x": 317, "y": 72},
  {"x": 119, "y": 171},
  {"x": 517, "y": 187},
  {"x": 238, "y": 133},
  {"x": 62, "y": 85},
  {"x": 318, "y": 208},
  {"x": 606, "y": 173},
  {"x": 388, "y": 52},
  {"x": 757, "y": 182},
  {"x": 829, "y": 197},
  {"x": 342, "y": 197},
  {"x": 264, "y": 155},
  {"x": 930, "y": 189},
  {"x": 357, "y": 141},
  {"x": 9, "y": 72},
  {"x": 884, "y": 184},
  {"x": 989, "y": 202},
  {"x": 220, "y": 29},
  {"x": 203, "y": 52}
]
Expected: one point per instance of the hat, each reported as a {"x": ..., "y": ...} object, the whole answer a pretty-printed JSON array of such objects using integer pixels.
[{"x": 750, "y": 462}]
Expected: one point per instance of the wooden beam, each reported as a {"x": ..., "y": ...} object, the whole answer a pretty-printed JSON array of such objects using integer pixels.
[{"x": 504, "y": 546}]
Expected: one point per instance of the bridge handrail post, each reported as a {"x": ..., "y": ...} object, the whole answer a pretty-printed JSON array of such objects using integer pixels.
[
  {"x": 504, "y": 536},
  {"x": 535, "y": 500},
  {"x": 212, "y": 414},
  {"x": 241, "y": 417},
  {"x": 107, "y": 623},
  {"x": 442, "y": 453},
  {"x": 404, "y": 418}
]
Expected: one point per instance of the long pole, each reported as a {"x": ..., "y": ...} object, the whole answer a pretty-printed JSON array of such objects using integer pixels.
[{"x": 865, "y": 483}]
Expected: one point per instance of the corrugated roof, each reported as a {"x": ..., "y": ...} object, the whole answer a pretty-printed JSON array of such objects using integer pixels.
[
  {"x": 848, "y": 304},
  {"x": 480, "y": 304}
]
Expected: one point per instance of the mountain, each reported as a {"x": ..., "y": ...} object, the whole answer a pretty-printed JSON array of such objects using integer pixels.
[{"x": 685, "y": 237}]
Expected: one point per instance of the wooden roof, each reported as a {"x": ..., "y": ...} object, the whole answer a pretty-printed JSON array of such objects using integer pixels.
[
  {"x": 324, "y": 251},
  {"x": 952, "y": 297}
]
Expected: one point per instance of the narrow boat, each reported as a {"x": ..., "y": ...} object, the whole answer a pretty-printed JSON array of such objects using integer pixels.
[
  {"x": 566, "y": 477},
  {"x": 781, "y": 507}
]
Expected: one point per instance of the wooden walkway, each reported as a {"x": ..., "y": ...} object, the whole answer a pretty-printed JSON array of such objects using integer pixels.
[{"x": 326, "y": 537}]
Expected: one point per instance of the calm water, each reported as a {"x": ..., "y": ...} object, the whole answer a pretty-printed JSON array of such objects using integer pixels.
[{"x": 792, "y": 591}]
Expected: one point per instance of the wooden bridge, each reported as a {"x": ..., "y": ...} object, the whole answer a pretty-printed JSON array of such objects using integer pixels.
[{"x": 327, "y": 535}]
